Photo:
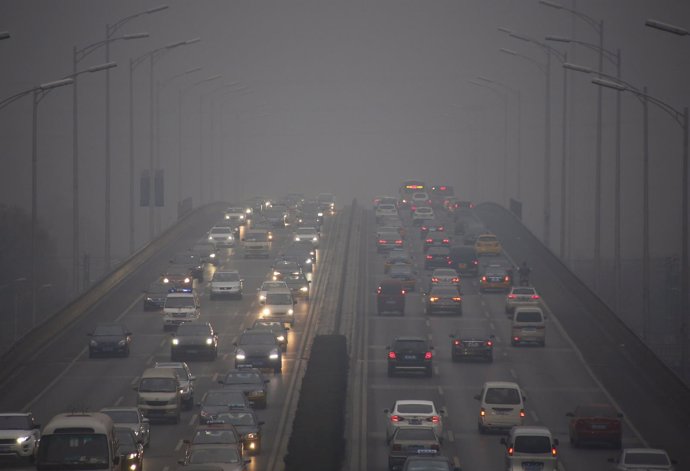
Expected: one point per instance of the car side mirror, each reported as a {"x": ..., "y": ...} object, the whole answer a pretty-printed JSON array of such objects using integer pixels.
[
  {"x": 145, "y": 420},
  {"x": 287, "y": 328},
  {"x": 260, "y": 422},
  {"x": 386, "y": 411},
  {"x": 192, "y": 378},
  {"x": 294, "y": 301},
  {"x": 308, "y": 281}
]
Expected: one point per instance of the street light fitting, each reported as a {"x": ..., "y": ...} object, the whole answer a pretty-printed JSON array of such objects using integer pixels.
[
  {"x": 157, "y": 9},
  {"x": 578, "y": 68},
  {"x": 485, "y": 79},
  {"x": 212, "y": 77},
  {"x": 559, "y": 39},
  {"x": 192, "y": 41},
  {"x": 4, "y": 35},
  {"x": 56, "y": 84},
  {"x": 191, "y": 71},
  {"x": 135, "y": 36},
  {"x": 547, "y": 3},
  {"x": 175, "y": 44},
  {"x": 105, "y": 66},
  {"x": 504, "y": 30},
  {"x": 669, "y": 28},
  {"x": 508, "y": 51},
  {"x": 609, "y": 84}
]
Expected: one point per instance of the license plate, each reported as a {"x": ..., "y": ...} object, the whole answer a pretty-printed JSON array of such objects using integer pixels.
[
  {"x": 598, "y": 427},
  {"x": 462, "y": 265},
  {"x": 501, "y": 412},
  {"x": 391, "y": 301},
  {"x": 415, "y": 422},
  {"x": 410, "y": 357},
  {"x": 529, "y": 329},
  {"x": 532, "y": 466},
  {"x": 192, "y": 351},
  {"x": 107, "y": 349}
]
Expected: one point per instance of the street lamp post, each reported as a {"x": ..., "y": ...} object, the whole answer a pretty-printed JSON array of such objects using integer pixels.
[{"x": 5, "y": 35}]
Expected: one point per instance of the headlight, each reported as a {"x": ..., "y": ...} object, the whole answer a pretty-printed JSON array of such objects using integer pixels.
[
  {"x": 262, "y": 297},
  {"x": 230, "y": 237},
  {"x": 297, "y": 239},
  {"x": 209, "y": 341},
  {"x": 166, "y": 280},
  {"x": 93, "y": 343},
  {"x": 251, "y": 436},
  {"x": 290, "y": 312},
  {"x": 242, "y": 217},
  {"x": 280, "y": 338},
  {"x": 276, "y": 273},
  {"x": 175, "y": 341},
  {"x": 240, "y": 355},
  {"x": 320, "y": 215},
  {"x": 131, "y": 456},
  {"x": 308, "y": 261},
  {"x": 212, "y": 255},
  {"x": 187, "y": 280},
  {"x": 315, "y": 239},
  {"x": 21, "y": 440},
  {"x": 273, "y": 355},
  {"x": 210, "y": 237},
  {"x": 266, "y": 311},
  {"x": 248, "y": 210},
  {"x": 227, "y": 216},
  {"x": 122, "y": 343},
  {"x": 304, "y": 289}
]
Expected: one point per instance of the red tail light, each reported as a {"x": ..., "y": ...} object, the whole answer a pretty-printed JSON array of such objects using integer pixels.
[
  {"x": 516, "y": 339},
  {"x": 378, "y": 290},
  {"x": 424, "y": 228},
  {"x": 402, "y": 291},
  {"x": 395, "y": 418},
  {"x": 511, "y": 296},
  {"x": 554, "y": 452},
  {"x": 446, "y": 241},
  {"x": 450, "y": 262},
  {"x": 535, "y": 296},
  {"x": 398, "y": 242},
  {"x": 456, "y": 280},
  {"x": 506, "y": 278},
  {"x": 440, "y": 228},
  {"x": 381, "y": 241},
  {"x": 434, "y": 279},
  {"x": 391, "y": 355},
  {"x": 427, "y": 356},
  {"x": 522, "y": 413},
  {"x": 483, "y": 278},
  {"x": 489, "y": 343},
  {"x": 475, "y": 262},
  {"x": 457, "y": 342},
  {"x": 429, "y": 257},
  {"x": 429, "y": 241},
  {"x": 457, "y": 299},
  {"x": 511, "y": 451},
  {"x": 435, "y": 419}
]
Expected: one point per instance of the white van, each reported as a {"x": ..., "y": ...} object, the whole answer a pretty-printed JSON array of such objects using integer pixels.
[
  {"x": 501, "y": 406},
  {"x": 158, "y": 394},
  {"x": 530, "y": 447},
  {"x": 279, "y": 306},
  {"x": 79, "y": 440},
  {"x": 179, "y": 308},
  {"x": 528, "y": 326}
]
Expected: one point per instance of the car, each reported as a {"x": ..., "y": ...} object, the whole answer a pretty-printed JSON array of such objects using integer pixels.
[
  {"x": 326, "y": 203},
  {"x": 419, "y": 199},
  {"x": 179, "y": 278},
  {"x": 278, "y": 329},
  {"x": 20, "y": 435},
  {"x": 154, "y": 296},
  {"x": 247, "y": 425},
  {"x": 109, "y": 339},
  {"x": 528, "y": 326},
  {"x": 638, "y": 459},
  {"x": 275, "y": 216},
  {"x": 437, "y": 257},
  {"x": 406, "y": 274},
  {"x": 411, "y": 441},
  {"x": 298, "y": 284},
  {"x": 495, "y": 278},
  {"x": 426, "y": 229},
  {"x": 226, "y": 283},
  {"x": 460, "y": 227},
  {"x": 390, "y": 229},
  {"x": 194, "y": 339},
  {"x": 487, "y": 244},
  {"x": 426, "y": 462},
  {"x": 214, "y": 433},
  {"x": 465, "y": 260},
  {"x": 393, "y": 224},
  {"x": 258, "y": 349},
  {"x": 251, "y": 382},
  {"x": 222, "y": 236},
  {"x": 445, "y": 276},
  {"x": 193, "y": 263},
  {"x": 522, "y": 296},
  {"x": 220, "y": 400},
  {"x": 530, "y": 447},
  {"x": 472, "y": 343},
  {"x": 394, "y": 257},
  {"x": 439, "y": 193},
  {"x": 206, "y": 251},
  {"x": 227, "y": 458},
  {"x": 257, "y": 243},
  {"x": 131, "y": 451},
  {"x": 387, "y": 241},
  {"x": 413, "y": 413},
  {"x": 436, "y": 239},
  {"x": 132, "y": 418},
  {"x": 180, "y": 308},
  {"x": 390, "y": 297},
  {"x": 410, "y": 354},
  {"x": 310, "y": 234},
  {"x": 279, "y": 306},
  {"x": 443, "y": 298},
  {"x": 472, "y": 231},
  {"x": 235, "y": 215},
  {"x": 185, "y": 377},
  {"x": 283, "y": 267},
  {"x": 267, "y": 286},
  {"x": 421, "y": 214},
  {"x": 595, "y": 423},
  {"x": 385, "y": 209},
  {"x": 501, "y": 406},
  {"x": 302, "y": 255}
]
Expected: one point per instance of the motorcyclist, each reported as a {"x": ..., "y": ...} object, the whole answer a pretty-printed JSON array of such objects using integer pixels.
[{"x": 524, "y": 272}]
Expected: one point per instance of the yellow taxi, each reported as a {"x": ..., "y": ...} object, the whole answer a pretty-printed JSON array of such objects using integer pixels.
[
  {"x": 495, "y": 278},
  {"x": 487, "y": 244}
]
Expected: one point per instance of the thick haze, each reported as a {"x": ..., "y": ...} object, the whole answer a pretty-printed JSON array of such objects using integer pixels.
[{"x": 349, "y": 97}]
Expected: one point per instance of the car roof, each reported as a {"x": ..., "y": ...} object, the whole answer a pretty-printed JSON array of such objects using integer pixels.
[
  {"x": 531, "y": 430},
  {"x": 501, "y": 384},
  {"x": 414, "y": 401}
]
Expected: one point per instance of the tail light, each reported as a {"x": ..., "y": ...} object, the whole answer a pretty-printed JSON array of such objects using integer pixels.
[
  {"x": 378, "y": 290},
  {"x": 484, "y": 278},
  {"x": 429, "y": 241},
  {"x": 506, "y": 278},
  {"x": 435, "y": 419},
  {"x": 398, "y": 242},
  {"x": 482, "y": 412},
  {"x": 440, "y": 228},
  {"x": 396, "y": 448},
  {"x": 516, "y": 339},
  {"x": 489, "y": 343},
  {"x": 535, "y": 296},
  {"x": 391, "y": 356},
  {"x": 382, "y": 241},
  {"x": 402, "y": 291},
  {"x": 457, "y": 343},
  {"x": 554, "y": 452},
  {"x": 424, "y": 228},
  {"x": 414, "y": 208},
  {"x": 511, "y": 450},
  {"x": 446, "y": 241},
  {"x": 429, "y": 257},
  {"x": 428, "y": 202},
  {"x": 428, "y": 355},
  {"x": 511, "y": 296},
  {"x": 433, "y": 299},
  {"x": 434, "y": 279},
  {"x": 475, "y": 262},
  {"x": 395, "y": 418},
  {"x": 456, "y": 280},
  {"x": 522, "y": 413},
  {"x": 449, "y": 261},
  {"x": 457, "y": 299}
]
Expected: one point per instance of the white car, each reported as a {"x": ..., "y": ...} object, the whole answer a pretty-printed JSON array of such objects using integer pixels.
[
  {"x": 180, "y": 308},
  {"x": 530, "y": 447},
  {"x": 222, "y": 236},
  {"x": 279, "y": 306},
  {"x": 19, "y": 435},
  {"x": 445, "y": 276},
  {"x": 267, "y": 286},
  {"x": 385, "y": 209},
  {"x": 413, "y": 413},
  {"x": 236, "y": 215},
  {"x": 501, "y": 406},
  {"x": 310, "y": 234},
  {"x": 420, "y": 198},
  {"x": 421, "y": 214},
  {"x": 643, "y": 459},
  {"x": 226, "y": 283}
]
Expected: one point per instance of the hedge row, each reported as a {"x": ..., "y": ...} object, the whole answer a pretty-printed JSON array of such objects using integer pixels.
[{"x": 317, "y": 442}]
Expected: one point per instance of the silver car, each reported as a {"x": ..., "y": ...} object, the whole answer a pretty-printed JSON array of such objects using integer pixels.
[
  {"x": 132, "y": 418},
  {"x": 186, "y": 379}
]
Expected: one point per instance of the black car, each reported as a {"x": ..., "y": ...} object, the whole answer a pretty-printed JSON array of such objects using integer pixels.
[
  {"x": 192, "y": 261},
  {"x": 437, "y": 257},
  {"x": 426, "y": 229},
  {"x": 109, "y": 339},
  {"x": 472, "y": 343},
  {"x": 410, "y": 354},
  {"x": 278, "y": 329},
  {"x": 247, "y": 425},
  {"x": 298, "y": 284},
  {"x": 154, "y": 296},
  {"x": 131, "y": 451},
  {"x": 465, "y": 260},
  {"x": 258, "y": 349},
  {"x": 282, "y": 268},
  {"x": 443, "y": 298},
  {"x": 205, "y": 250},
  {"x": 425, "y": 463},
  {"x": 249, "y": 381},
  {"x": 194, "y": 339},
  {"x": 216, "y": 401},
  {"x": 436, "y": 239}
]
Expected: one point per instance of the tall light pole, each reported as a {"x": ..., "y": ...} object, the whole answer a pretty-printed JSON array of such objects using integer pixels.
[
  {"x": 110, "y": 30},
  {"x": 77, "y": 56},
  {"x": 5, "y": 35}
]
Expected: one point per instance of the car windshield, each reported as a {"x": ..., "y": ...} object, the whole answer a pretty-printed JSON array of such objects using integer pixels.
[
  {"x": 444, "y": 292},
  {"x": 242, "y": 377},
  {"x": 222, "y": 398},
  {"x": 426, "y": 465},
  {"x": 389, "y": 236},
  {"x": 390, "y": 288},
  {"x": 486, "y": 239},
  {"x": 15, "y": 422},
  {"x": 308, "y": 231},
  {"x": 415, "y": 409},
  {"x": 220, "y": 454},
  {"x": 643, "y": 457},
  {"x": 221, "y": 230},
  {"x": 278, "y": 298},
  {"x": 444, "y": 272},
  {"x": 226, "y": 276},
  {"x": 258, "y": 339},
  {"x": 179, "y": 301},
  {"x": 74, "y": 450},
  {"x": 596, "y": 411},
  {"x": 415, "y": 345},
  {"x": 502, "y": 396},
  {"x": 157, "y": 385},
  {"x": 237, "y": 418},
  {"x": 108, "y": 330},
  {"x": 426, "y": 434},
  {"x": 256, "y": 237},
  {"x": 206, "y": 436},
  {"x": 123, "y": 416},
  {"x": 125, "y": 438},
  {"x": 158, "y": 288},
  {"x": 267, "y": 325},
  {"x": 528, "y": 316},
  {"x": 401, "y": 269},
  {"x": 532, "y": 444},
  {"x": 386, "y": 206},
  {"x": 193, "y": 329},
  {"x": 523, "y": 291}
]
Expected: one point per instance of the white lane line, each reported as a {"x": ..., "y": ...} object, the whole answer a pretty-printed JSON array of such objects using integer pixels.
[
  {"x": 493, "y": 327},
  {"x": 428, "y": 323},
  {"x": 486, "y": 314},
  {"x": 119, "y": 400},
  {"x": 534, "y": 415},
  {"x": 166, "y": 468},
  {"x": 134, "y": 381},
  {"x": 440, "y": 391},
  {"x": 436, "y": 371},
  {"x": 497, "y": 339},
  {"x": 163, "y": 342},
  {"x": 456, "y": 461},
  {"x": 150, "y": 360},
  {"x": 214, "y": 378},
  {"x": 429, "y": 336},
  {"x": 179, "y": 445},
  {"x": 192, "y": 420},
  {"x": 451, "y": 437},
  {"x": 513, "y": 373}
]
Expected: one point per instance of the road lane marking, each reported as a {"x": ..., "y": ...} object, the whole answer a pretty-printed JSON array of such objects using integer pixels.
[
  {"x": 440, "y": 391},
  {"x": 214, "y": 378},
  {"x": 513, "y": 373},
  {"x": 436, "y": 372},
  {"x": 429, "y": 336},
  {"x": 456, "y": 461},
  {"x": 493, "y": 327},
  {"x": 134, "y": 381},
  {"x": 119, "y": 400},
  {"x": 150, "y": 360},
  {"x": 451, "y": 437},
  {"x": 163, "y": 342},
  {"x": 534, "y": 415},
  {"x": 179, "y": 445},
  {"x": 192, "y": 420}
]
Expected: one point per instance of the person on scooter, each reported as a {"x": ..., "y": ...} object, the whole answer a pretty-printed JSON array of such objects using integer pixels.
[{"x": 524, "y": 272}]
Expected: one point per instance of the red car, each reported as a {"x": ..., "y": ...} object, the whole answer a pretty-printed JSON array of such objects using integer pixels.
[{"x": 595, "y": 423}]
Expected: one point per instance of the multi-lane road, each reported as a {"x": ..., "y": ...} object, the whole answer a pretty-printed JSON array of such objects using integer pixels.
[{"x": 59, "y": 376}]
